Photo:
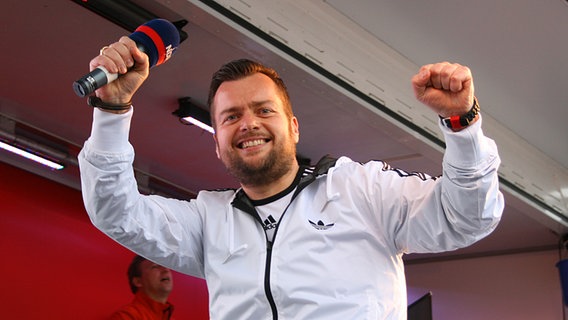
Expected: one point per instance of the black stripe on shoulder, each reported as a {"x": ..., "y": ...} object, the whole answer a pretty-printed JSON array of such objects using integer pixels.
[{"x": 403, "y": 174}]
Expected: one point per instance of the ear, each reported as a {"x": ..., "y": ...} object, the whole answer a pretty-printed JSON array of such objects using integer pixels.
[
  {"x": 216, "y": 146},
  {"x": 137, "y": 281},
  {"x": 295, "y": 128}
]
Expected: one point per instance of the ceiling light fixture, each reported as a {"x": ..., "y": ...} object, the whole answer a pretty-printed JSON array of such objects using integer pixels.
[
  {"x": 31, "y": 156},
  {"x": 191, "y": 114}
]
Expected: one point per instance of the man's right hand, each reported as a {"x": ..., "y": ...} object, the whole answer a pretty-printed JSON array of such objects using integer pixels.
[{"x": 125, "y": 58}]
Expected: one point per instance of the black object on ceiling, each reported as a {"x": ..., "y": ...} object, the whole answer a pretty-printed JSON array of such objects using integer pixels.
[{"x": 126, "y": 14}]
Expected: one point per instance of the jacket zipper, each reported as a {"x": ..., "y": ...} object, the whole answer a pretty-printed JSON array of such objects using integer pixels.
[
  {"x": 243, "y": 203},
  {"x": 269, "y": 245},
  {"x": 267, "y": 289}
]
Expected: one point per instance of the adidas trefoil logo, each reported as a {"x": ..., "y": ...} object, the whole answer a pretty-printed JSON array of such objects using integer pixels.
[{"x": 320, "y": 225}]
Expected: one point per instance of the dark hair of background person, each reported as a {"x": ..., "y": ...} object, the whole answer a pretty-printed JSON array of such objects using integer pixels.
[{"x": 134, "y": 271}]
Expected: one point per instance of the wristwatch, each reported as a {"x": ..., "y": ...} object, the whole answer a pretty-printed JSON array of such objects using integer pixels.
[{"x": 460, "y": 122}]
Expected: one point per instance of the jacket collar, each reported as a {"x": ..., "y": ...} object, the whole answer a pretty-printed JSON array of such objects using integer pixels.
[
  {"x": 306, "y": 175},
  {"x": 164, "y": 309}
]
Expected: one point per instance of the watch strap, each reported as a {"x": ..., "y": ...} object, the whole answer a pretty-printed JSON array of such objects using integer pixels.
[
  {"x": 460, "y": 122},
  {"x": 96, "y": 102}
]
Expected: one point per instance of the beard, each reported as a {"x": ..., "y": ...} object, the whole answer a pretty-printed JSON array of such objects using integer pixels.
[{"x": 275, "y": 165}]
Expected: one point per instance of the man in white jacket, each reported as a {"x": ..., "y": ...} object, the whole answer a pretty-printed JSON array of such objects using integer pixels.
[{"x": 294, "y": 242}]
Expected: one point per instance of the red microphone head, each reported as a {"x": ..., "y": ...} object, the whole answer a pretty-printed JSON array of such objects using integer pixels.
[{"x": 158, "y": 38}]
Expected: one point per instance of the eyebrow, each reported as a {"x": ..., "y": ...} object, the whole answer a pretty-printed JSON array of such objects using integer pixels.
[
  {"x": 263, "y": 102},
  {"x": 229, "y": 110},
  {"x": 255, "y": 104}
]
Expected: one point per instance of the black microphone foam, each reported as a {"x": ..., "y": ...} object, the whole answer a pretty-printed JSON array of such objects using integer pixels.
[{"x": 157, "y": 38}]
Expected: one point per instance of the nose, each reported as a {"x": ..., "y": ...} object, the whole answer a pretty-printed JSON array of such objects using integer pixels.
[{"x": 248, "y": 121}]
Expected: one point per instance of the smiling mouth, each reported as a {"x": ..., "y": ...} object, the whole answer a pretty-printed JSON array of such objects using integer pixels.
[{"x": 252, "y": 143}]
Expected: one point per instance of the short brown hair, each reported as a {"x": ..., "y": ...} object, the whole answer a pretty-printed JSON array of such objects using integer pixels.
[
  {"x": 241, "y": 68},
  {"x": 134, "y": 271}
]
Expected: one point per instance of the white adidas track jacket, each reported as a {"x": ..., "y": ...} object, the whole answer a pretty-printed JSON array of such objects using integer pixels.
[{"x": 337, "y": 250}]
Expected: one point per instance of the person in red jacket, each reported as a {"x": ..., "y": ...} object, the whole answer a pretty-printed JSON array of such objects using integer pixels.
[{"x": 151, "y": 284}]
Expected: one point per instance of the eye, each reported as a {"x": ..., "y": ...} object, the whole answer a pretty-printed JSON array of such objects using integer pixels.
[{"x": 230, "y": 118}]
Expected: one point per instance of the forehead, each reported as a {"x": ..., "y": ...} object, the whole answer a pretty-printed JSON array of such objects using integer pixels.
[
  {"x": 240, "y": 93},
  {"x": 146, "y": 264}
]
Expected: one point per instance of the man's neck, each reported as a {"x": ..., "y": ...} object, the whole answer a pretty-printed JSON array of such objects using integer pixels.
[
  {"x": 259, "y": 192},
  {"x": 158, "y": 297}
]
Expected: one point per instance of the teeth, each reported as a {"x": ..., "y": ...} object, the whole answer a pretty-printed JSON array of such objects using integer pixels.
[{"x": 253, "y": 143}]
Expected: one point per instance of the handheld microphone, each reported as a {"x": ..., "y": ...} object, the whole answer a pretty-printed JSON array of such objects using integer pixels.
[{"x": 157, "y": 38}]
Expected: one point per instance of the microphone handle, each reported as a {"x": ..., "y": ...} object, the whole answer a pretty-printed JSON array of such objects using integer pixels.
[
  {"x": 93, "y": 80},
  {"x": 96, "y": 79}
]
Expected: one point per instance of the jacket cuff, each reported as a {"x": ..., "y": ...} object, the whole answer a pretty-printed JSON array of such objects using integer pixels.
[
  {"x": 467, "y": 147},
  {"x": 109, "y": 131}
]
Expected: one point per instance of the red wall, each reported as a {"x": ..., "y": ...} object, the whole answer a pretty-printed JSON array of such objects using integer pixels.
[{"x": 57, "y": 265}]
